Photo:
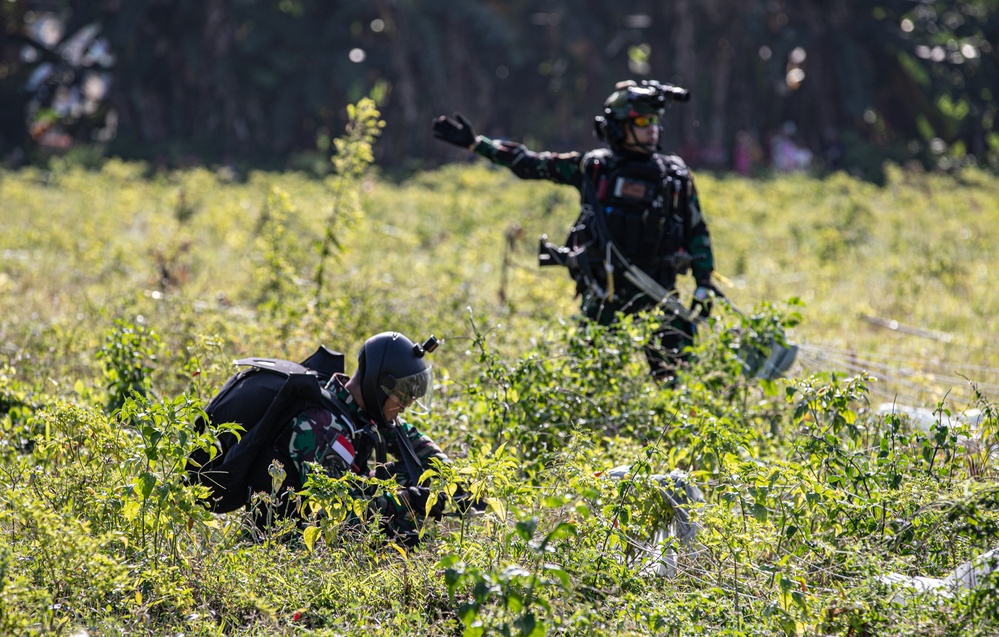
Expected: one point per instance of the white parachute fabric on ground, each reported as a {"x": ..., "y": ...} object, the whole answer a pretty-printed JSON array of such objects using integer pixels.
[
  {"x": 925, "y": 419},
  {"x": 969, "y": 575},
  {"x": 658, "y": 555},
  {"x": 976, "y": 437}
]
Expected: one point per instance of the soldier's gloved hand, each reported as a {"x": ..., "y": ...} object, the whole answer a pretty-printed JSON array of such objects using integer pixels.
[
  {"x": 417, "y": 498},
  {"x": 464, "y": 502},
  {"x": 681, "y": 260},
  {"x": 457, "y": 131},
  {"x": 703, "y": 299}
]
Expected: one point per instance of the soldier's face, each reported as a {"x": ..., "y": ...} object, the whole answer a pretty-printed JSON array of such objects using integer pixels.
[
  {"x": 642, "y": 134},
  {"x": 392, "y": 408}
]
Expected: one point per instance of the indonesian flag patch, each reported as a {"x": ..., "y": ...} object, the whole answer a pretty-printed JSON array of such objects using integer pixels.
[{"x": 344, "y": 449}]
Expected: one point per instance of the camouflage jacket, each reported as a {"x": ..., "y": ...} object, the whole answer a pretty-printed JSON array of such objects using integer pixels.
[
  {"x": 349, "y": 442},
  {"x": 650, "y": 205}
]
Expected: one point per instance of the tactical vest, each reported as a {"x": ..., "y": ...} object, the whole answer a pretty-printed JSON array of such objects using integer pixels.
[{"x": 642, "y": 201}]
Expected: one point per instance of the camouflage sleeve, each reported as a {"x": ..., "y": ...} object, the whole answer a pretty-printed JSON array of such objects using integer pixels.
[
  {"x": 562, "y": 168},
  {"x": 424, "y": 447},
  {"x": 698, "y": 238},
  {"x": 317, "y": 436},
  {"x": 399, "y": 511}
]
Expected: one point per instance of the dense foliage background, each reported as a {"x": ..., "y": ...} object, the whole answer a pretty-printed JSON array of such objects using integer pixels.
[
  {"x": 126, "y": 293},
  {"x": 264, "y": 82}
]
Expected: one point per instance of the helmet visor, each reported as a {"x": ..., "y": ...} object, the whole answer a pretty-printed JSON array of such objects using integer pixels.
[{"x": 414, "y": 392}]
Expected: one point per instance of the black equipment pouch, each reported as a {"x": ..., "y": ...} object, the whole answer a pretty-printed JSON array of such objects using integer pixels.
[
  {"x": 263, "y": 400},
  {"x": 633, "y": 190}
]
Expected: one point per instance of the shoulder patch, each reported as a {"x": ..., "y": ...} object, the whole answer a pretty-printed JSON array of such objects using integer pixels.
[{"x": 343, "y": 448}]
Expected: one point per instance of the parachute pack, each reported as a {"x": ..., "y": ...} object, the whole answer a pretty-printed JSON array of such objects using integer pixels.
[{"x": 262, "y": 400}]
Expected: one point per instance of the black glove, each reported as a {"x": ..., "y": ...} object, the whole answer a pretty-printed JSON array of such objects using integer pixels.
[
  {"x": 680, "y": 261},
  {"x": 703, "y": 300},
  {"x": 459, "y": 133},
  {"x": 417, "y": 499},
  {"x": 464, "y": 502}
]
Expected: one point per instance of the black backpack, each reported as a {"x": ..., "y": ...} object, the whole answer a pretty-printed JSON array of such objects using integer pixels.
[{"x": 262, "y": 399}]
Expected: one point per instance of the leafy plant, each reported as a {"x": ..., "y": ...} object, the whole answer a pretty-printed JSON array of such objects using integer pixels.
[
  {"x": 515, "y": 600},
  {"x": 128, "y": 354},
  {"x": 352, "y": 156},
  {"x": 812, "y": 489},
  {"x": 280, "y": 260}
]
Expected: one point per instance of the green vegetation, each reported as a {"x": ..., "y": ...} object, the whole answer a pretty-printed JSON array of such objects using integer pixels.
[{"x": 126, "y": 294}]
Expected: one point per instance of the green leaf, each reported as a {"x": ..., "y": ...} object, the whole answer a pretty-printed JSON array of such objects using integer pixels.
[
  {"x": 514, "y": 602},
  {"x": 496, "y": 505},
  {"x": 526, "y": 624},
  {"x": 800, "y": 411},
  {"x": 146, "y": 483},
  {"x": 467, "y": 612},
  {"x": 552, "y": 501},
  {"x": 309, "y": 535},
  {"x": 431, "y": 501},
  {"x": 563, "y": 530},
  {"x": 453, "y": 578},
  {"x": 526, "y": 528},
  {"x": 559, "y": 573},
  {"x": 448, "y": 561}
]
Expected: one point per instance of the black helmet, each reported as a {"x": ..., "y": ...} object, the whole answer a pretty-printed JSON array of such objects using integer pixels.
[
  {"x": 630, "y": 100},
  {"x": 389, "y": 364}
]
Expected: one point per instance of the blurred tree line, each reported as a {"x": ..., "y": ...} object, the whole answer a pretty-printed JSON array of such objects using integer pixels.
[{"x": 266, "y": 82}]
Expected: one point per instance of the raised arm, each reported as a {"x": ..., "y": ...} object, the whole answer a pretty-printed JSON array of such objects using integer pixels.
[{"x": 562, "y": 168}]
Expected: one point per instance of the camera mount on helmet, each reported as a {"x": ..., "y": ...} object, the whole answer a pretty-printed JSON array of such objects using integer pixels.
[
  {"x": 671, "y": 92},
  {"x": 428, "y": 346}
]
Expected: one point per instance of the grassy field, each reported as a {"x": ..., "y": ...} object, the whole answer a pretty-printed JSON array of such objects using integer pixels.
[{"x": 119, "y": 279}]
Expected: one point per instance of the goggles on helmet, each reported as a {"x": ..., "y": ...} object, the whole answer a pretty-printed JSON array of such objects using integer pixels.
[
  {"x": 642, "y": 121},
  {"x": 413, "y": 392}
]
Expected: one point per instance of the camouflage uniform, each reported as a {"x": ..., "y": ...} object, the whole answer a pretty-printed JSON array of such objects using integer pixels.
[
  {"x": 652, "y": 213},
  {"x": 350, "y": 441}
]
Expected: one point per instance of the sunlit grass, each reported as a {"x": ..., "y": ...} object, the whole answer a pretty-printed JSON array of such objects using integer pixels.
[{"x": 532, "y": 407}]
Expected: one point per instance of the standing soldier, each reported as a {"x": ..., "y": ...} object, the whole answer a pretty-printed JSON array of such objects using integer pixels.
[{"x": 641, "y": 222}]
